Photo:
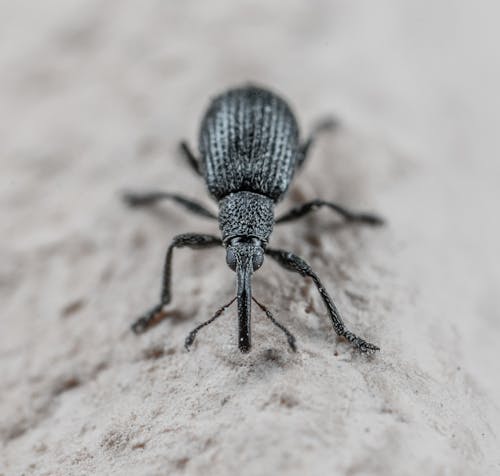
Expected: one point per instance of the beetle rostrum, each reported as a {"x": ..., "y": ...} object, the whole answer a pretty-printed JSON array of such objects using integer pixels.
[{"x": 249, "y": 151}]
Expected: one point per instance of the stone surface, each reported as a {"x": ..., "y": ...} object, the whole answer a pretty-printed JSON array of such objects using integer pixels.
[{"x": 96, "y": 95}]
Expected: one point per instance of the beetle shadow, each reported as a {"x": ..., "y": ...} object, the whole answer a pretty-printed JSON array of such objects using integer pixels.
[{"x": 262, "y": 363}]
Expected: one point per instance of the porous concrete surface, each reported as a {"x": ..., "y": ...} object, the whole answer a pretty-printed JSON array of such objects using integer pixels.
[{"x": 94, "y": 99}]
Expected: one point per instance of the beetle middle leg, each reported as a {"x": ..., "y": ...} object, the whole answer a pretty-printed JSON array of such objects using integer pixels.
[
  {"x": 293, "y": 263},
  {"x": 349, "y": 215},
  {"x": 150, "y": 198},
  {"x": 156, "y": 314}
]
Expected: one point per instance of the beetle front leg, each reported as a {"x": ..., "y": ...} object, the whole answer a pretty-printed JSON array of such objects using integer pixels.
[
  {"x": 293, "y": 263},
  {"x": 349, "y": 215},
  {"x": 156, "y": 314}
]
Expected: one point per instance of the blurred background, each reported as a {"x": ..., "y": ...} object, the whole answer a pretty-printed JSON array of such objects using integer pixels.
[{"x": 94, "y": 98}]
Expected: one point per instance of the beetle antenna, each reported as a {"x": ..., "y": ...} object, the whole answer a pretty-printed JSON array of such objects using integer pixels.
[
  {"x": 192, "y": 335},
  {"x": 290, "y": 337}
]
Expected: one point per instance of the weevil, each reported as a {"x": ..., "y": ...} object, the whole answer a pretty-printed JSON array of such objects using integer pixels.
[{"x": 249, "y": 151}]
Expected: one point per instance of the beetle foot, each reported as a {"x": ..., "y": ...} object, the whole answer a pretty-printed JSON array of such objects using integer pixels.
[
  {"x": 133, "y": 199},
  {"x": 150, "y": 319},
  {"x": 189, "y": 340},
  {"x": 327, "y": 123},
  {"x": 370, "y": 219},
  {"x": 365, "y": 347},
  {"x": 360, "y": 344},
  {"x": 292, "y": 343}
]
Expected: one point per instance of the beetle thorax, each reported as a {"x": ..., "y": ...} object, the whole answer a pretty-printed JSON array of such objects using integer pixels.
[{"x": 246, "y": 214}]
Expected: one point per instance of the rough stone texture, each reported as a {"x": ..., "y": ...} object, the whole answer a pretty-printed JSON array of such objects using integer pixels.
[{"x": 94, "y": 97}]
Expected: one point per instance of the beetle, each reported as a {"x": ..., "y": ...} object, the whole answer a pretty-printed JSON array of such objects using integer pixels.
[{"x": 249, "y": 151}]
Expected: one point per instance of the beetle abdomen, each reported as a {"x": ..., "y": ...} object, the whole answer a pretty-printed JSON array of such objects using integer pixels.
[{"x": 249, "y": 141}]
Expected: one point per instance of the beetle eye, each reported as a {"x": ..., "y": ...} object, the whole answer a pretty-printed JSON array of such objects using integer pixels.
[
  {"x": 231, "y": 259},
  {"x": 258, "y": 259}
]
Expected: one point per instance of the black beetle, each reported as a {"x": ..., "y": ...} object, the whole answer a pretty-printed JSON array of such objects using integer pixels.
[{"x": 249, "y": 151}]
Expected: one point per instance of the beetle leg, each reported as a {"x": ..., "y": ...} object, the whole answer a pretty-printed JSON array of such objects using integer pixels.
[
  {"x": 150, "y": 198},
  {"x": 190, "y": 157},
  {"x": 156, "y": 314},
  {"x": 293, "y": 263},
  {"x": 349, "y": 215},
  {"x": 326, "y": 124}
]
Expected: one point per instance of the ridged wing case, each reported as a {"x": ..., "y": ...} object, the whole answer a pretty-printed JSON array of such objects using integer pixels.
[{"x": 249, "y": 141}]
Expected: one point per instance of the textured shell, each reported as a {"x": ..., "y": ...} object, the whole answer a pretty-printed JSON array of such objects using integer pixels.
[{"x": 249, "y": 141}]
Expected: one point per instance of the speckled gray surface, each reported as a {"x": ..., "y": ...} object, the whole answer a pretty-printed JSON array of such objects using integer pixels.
[{"x": 96, "y": 95}]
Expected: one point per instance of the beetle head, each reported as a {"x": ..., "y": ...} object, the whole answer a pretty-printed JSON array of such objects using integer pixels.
[{"x": 244, "y": 254}]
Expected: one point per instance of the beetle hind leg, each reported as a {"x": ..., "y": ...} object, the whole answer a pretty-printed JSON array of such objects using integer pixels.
[
  {"x": 193, "y": 162},
  {"x": 323, "y": 125}
]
